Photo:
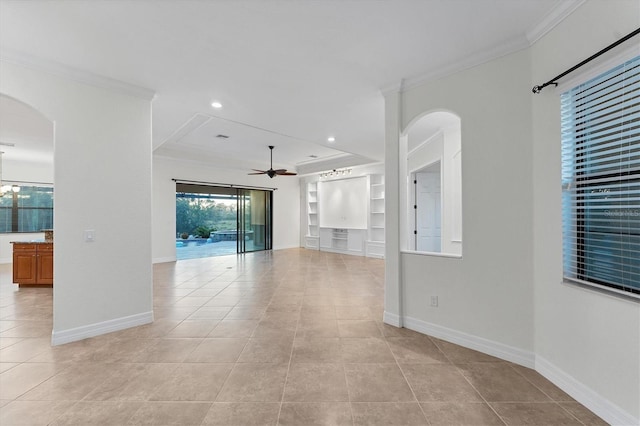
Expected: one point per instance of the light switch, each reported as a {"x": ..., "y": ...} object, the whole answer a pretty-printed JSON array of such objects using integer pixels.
[{"x": 89, "y": 235}]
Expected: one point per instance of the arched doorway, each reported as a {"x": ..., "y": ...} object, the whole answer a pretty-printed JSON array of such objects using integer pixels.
[
  {"x": 26, "y": 210},
  {"x": 431, "y": 161}
]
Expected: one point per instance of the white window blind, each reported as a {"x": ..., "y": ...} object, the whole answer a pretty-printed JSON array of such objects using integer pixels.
[{"x": 601, "y": 180}]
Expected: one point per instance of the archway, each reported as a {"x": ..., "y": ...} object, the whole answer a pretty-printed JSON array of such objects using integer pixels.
[
  {"x": 431, "y": 162},
  {"x": 26, "y": 209}
]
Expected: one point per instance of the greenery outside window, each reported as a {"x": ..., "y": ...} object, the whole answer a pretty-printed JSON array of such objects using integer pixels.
[{"x": 29, "y": 209}]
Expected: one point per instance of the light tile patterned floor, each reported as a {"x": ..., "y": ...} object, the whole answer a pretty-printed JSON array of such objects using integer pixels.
[{"x": 291, "y": 337}]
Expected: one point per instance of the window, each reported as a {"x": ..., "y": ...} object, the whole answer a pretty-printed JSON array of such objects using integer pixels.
[
  {"x": 601, "y": 180},
  {"x": 27, "y": 209}
]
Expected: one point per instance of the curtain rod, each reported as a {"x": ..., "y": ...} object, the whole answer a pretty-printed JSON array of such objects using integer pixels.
[
  {"x": 25, "y": 181},
  {"x": 538, "y": 89},
  {"x": 225, "y": 185}
]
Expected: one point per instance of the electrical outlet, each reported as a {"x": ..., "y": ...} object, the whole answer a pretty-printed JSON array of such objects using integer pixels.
[{"x": 434, "y": 301}]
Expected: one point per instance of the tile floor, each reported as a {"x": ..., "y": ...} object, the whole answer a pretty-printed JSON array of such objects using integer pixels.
[{"x": 289, "y": 337}]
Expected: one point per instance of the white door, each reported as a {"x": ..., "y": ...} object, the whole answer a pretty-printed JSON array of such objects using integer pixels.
[{"x": 428, "y": 210}]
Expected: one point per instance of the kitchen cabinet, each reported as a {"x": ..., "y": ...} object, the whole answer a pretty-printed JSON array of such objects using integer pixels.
[{"x": 33, "y": 263}]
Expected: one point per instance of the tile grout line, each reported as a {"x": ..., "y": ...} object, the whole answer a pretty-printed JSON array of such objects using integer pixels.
[
  {"x": 405, "y": 379},
  {"x": 469, "y": 382},
  {"x": 286, "y": 377},
  {"x": 547, "y": 395}
]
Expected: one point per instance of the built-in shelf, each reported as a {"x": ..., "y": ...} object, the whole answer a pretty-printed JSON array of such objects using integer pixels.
[
  {"x": 312, "y": 239},
  {"x": 362, "y": 242},
  {"x": 344, "y": 241},
  {"x": 375, "y": 238}
]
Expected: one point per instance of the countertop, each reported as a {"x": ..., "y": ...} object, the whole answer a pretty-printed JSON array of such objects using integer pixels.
[{"x": 31, "y": 242}]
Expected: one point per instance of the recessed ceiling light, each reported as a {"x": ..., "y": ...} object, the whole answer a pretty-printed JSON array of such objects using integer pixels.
[
  {"x": 216, "y": 104},
  {"x": 331, "y": 139}
]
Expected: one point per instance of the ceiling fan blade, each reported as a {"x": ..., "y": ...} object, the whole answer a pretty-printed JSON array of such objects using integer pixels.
[{"x": 272, "y": 173}]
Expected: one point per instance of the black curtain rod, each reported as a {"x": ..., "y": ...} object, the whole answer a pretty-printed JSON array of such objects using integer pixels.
[
  {"x": 538, "y": 89},
  {"x": 225, "y": 185}
]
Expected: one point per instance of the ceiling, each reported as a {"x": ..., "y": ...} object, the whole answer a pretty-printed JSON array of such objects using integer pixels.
[{"x": 288, "y": 73}]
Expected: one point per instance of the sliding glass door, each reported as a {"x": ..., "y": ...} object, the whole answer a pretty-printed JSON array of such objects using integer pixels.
[
  {"x": 254, "y": 220},
  {"x": 215, "y": 220}
]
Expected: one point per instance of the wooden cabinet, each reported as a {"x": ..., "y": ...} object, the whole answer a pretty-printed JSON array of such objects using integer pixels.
[{"x": 33, "y": 263}]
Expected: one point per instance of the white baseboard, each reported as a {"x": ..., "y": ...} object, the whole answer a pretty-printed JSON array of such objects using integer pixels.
[
  {"x": 490, "y": 347},
  {"x": 391, "y": 319},
  {"x": 74, "y": 334},
  {"x": 5, "y": 260},
  {"x": 604, "y": 408},
  {"x": 164, "y": 259},
  {"x": 286, "y": 247}
]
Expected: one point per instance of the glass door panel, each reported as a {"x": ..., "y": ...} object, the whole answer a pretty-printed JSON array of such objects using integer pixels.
[{"x": 254, "y": 220}]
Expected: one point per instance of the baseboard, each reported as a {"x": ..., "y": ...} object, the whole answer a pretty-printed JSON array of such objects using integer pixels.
[
  {"x": 604, "y": 408},
  {"x": 391, "y": 319},
  {"x": 164, "y": 259},
  {"x": 490, "y": 347},
  {"x": 97, "y": 329},
  {"x": 375, "y": 255},
  {"x": 287, "y": 247},
  {"x": 5, "y": 260}
]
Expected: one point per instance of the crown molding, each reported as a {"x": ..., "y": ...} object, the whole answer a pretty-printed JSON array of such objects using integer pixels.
[
  {"x": 553, "y": 18},
  {"x": 469, "y": 62},
  {"x": 348, "y": 160},
  {"x": 391, "y": 88},
  {"x": 77, "y": 75}
]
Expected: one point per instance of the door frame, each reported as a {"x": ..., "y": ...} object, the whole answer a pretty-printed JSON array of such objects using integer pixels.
[{"x": 412, "y": 209}]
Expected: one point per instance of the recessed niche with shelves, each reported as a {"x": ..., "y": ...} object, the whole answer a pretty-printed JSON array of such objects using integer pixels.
[
  {"x": 312, "y": 237},
  {"x": 346, "y": 215},
  {"x": 375, "y": 240}
]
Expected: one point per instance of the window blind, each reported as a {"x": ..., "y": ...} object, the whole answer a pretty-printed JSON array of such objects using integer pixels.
[{"x": 601, "y": 179}]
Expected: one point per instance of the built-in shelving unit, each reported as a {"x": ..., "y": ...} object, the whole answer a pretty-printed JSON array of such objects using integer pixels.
[
  {"x": 312, "y": 239},
  {"x": 339, "y": 239},
  {"x": 344, "y": 241},
  {"x": 367, "y": 240},
  {"x": 375, "y": 241}
]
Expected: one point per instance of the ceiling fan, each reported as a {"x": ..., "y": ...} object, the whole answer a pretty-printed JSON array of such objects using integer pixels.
[{"x": 272, "y": 173}]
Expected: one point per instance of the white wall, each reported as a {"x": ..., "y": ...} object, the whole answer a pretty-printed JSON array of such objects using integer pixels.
[
  {"x": 286, "y": 202},
  {"x": 102, "y": 143},
  {"x": 24, "y": 171},
  {"x": 488, "y": 293},
  {"x": 505, "y": 296},
  {"x": 592, "y": 338}
]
